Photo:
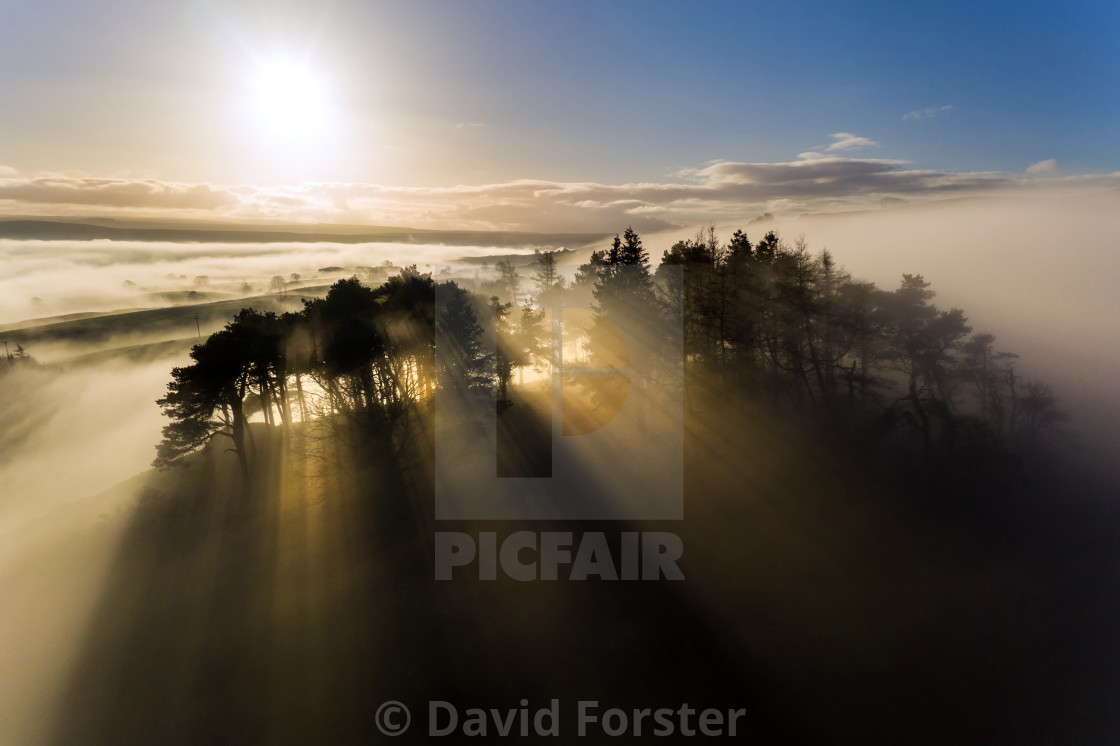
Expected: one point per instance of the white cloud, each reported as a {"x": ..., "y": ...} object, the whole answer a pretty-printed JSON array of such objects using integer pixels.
[
  {"x": 1047, "y": 166},
  {"x": 7, "y": 171},
  {"x": 926, "y": 113},
  {"x": 846, "y": 140}
]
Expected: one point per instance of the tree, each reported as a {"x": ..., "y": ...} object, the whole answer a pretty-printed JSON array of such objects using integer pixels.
[
  {"x": 985, "y": 369},
  {"x": 860, "y": 324},
  {"x": 739, "y": 248},
  {"x": 407, "y": 320},
  {"x": 744, "y": 293},
  {"x": 703, "y": 292},
  {"x": 768, "y": 248},
  {"x": 534, "y": 338},
  {"x": 507, "y": 280},
  {"x": 791, "y": 311},
  {"x": 263, "y": 336},
  {"x": 463, "y": 364},
  {"x": 594, "y": 270},
  {"x": 350, "y": 343},
  {"x": 507, "y": 355},
  {"x": 923, "y": 341},
  {"x": 631, "y": 253},
  {"x": 206, "y": 399},
  {"x": 546, "y": 275},
  {"x": 623, "y": 277}
]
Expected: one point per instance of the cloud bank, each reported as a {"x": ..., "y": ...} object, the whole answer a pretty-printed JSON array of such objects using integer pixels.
[{"x": 717, "y": 192}]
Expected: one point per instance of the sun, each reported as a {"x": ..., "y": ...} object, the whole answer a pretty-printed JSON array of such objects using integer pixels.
[
  {"x": 289, "y": 100},
  {"x": 294, "y": 118}
]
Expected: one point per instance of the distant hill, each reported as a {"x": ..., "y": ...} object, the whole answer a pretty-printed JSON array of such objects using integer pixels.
[{"x": 88, "y": 229}]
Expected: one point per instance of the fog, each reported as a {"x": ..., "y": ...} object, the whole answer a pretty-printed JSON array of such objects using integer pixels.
[
  {"x": 76, "y": 427},
  {"x": 96, "y": 415},
  {"x": 97, "y": 423},
  {"x": 1038, "y": 273},
  {"x": 40, "y": 279}
]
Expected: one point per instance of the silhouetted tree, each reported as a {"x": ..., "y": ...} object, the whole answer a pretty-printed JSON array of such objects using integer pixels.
[
  {"x": 546, "y": 275},
  {"x": 623, "y": 277},
  {"x": 533, "y": 337},
  {"x": 464, "y": 365},
  {"x": 206, "y": 399},
  {"x": 924, "y": 340},
  {"x": 705, "y": 295},
  {"x": 508, "y": 353}
]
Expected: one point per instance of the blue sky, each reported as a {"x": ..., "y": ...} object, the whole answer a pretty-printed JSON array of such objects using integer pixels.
[{"x": 425, "y": 95}]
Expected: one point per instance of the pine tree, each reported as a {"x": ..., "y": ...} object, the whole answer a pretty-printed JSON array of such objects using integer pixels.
[{"x": 463, "y": 363}]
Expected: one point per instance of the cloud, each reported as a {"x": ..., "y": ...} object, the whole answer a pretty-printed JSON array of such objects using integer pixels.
[
  {"x": 132, "y": 193},
  {"x": 1047, "y": 166},
  {"x": 926, "y": 113},
  {"x": 7, "y": 171},
  {"x": 715, "y": 192},
  {"x": 846, "y": 140}
]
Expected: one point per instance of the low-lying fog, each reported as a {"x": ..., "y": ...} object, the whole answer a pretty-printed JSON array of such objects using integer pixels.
[
  {"x": 40, "y": 279},
  {"x": 1039, "y": 274}
]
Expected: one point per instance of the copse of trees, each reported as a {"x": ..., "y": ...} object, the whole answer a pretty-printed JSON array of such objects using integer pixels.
[
  {"x": 760, "y": 319},
  {"x": 365, "y": 353}
]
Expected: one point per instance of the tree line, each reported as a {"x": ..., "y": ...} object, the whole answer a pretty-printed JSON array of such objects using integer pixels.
[{"x": 776, "y": 316}]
